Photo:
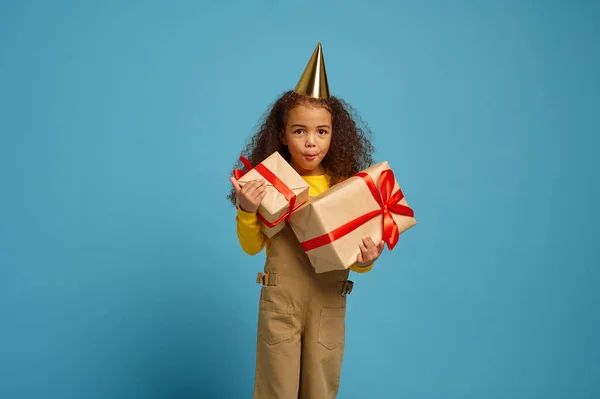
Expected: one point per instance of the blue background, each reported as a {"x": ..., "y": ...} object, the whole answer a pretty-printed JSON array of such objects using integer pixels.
[{"x": 120, "y": 271}]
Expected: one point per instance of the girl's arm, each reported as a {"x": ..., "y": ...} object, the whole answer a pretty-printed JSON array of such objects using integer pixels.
[
  {"x": 250, "y": 196},
  {"x": 251, "y": 239},
  {"x": 361, "y": 269}
]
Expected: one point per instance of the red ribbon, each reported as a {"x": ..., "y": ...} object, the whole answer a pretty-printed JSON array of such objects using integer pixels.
[
  {"x": 388, "y": 203},
  {"x": 277, "y": 184},
  {"x": 238, "y": 173}
]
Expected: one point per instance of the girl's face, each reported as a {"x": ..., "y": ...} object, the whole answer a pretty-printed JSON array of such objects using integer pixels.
[{"x": 308, "y": 137}]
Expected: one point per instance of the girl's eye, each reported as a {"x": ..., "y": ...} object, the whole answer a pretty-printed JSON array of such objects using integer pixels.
[
  {"x": 298, "y": 131},
  {"x": 322, "y": 131}
]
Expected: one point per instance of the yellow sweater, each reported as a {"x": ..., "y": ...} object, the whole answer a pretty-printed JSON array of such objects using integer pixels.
[{"x": 252, "y": 240}]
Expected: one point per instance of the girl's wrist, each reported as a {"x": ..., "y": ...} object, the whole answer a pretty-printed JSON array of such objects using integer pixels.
[{"x": 245, "y": 211}]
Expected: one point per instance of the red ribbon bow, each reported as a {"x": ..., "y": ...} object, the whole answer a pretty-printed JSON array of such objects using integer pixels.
[
  {"x": 238, "y": 173},
  {"x": 277, "y": 184},
  {"x": 388, "y": 203}
]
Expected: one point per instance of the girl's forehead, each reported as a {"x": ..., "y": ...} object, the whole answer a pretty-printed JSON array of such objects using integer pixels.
[{"x": 309, "y": 112}]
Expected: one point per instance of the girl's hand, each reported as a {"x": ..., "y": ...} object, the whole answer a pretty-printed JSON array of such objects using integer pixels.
[
  {"x": 251, "y": 195},
  {"x": 369, "y": 252}
]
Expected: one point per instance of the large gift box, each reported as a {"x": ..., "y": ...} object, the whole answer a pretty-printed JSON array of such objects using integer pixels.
[
  {"x": 331, "y": 225},
  {"x": 286, "y": 190}
]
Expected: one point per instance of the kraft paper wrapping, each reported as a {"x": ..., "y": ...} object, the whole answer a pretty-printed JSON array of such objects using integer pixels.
[
  {"x": 275, "y": 205},
  {"x": 337, "y": 206}
]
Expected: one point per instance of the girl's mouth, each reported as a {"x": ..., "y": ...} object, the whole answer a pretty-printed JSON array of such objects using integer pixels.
[{"x": 310, "y": 157}]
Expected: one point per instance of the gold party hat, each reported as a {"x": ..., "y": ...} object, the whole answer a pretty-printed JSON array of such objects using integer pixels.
[{"x": 313, "y": 82}]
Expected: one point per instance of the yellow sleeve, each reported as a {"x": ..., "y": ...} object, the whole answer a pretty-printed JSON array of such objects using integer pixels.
[
  {"x": 251, "y": 239},
  {"x": 361, "y": 269}
]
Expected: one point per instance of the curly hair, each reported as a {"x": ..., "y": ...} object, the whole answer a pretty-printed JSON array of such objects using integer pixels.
[{"x": 350, "y": 150}]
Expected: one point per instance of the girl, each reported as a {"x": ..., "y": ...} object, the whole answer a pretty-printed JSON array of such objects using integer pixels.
[{"x": 301, "y": 320}]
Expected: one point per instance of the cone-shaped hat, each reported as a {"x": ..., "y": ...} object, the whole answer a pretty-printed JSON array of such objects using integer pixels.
[{"x": 313, "y": 82}]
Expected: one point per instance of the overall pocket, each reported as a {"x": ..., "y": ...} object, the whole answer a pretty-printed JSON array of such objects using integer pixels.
[
  {"x": 332, "y": 327},
  {"x": 274, "y": 322}
]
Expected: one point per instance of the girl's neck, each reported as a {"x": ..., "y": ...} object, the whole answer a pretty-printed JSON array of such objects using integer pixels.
[{"x": 318, "y": 171}]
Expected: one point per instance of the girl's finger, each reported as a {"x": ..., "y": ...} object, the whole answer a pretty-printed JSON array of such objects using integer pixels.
[
  {"x": 261, "y": 187},
  {"x": 261, "y": 197},
  {"x": 359, "y": 258},
  {"x": 246, "y": 187},
  {"x": 250, "y": 187},
  {"x": 369, "y": 244},
  {"x": 363, "y": 248},
  {"x": 259, "y": 191},
  {"x": 235, "y": 184}
]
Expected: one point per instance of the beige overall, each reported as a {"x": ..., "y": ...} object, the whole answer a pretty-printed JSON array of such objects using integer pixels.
[{"x": 301, "y": 325}]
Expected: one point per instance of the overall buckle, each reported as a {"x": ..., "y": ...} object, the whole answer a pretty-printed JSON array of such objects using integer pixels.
[
  {"x": 346, "y": 287},
  {"x": 266, "y": 279}
]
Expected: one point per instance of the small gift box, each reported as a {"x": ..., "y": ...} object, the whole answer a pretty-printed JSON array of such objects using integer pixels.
[{"x": 286, "y": 190}]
